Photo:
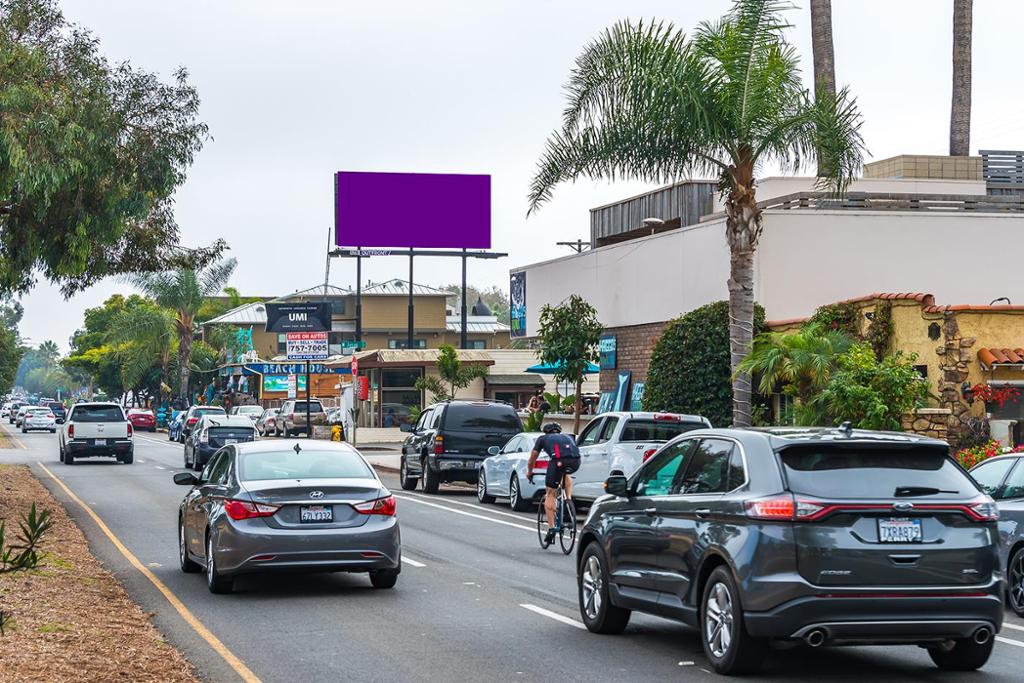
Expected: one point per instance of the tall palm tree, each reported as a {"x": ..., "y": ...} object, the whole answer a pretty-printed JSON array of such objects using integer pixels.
[
  {"x": 49, "y": 353},
  {"x": 960, "y": 116},
  {"x": 646, "y": 102},
  {"x": 143, "y": 334},
  {"x": 822, "y": 49},
  {"x": 183, "y": 291}
]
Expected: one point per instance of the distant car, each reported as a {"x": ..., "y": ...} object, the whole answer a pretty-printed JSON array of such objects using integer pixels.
[
  {"x": 251, "y": 412},
  {"x": 13, "y": 412},
  {"x": 20, "y": 415},
  {"x": 276, "y": 506},
  {"x": 5, "y": 410},
  {"x": 192, "y": 416},
  {"x": 96, "y": 429},
  {"x": 292, "y": 417},
  {"x": 267, "y": 422},
  {"x": 213, "y": 432},
  {"x": 1002, "y": 478},
  {"x": 174, "y": 424},
  {"x": 503, "y": 475},
  {"x": 60, "y": 413},
  {"x": 39, "y": 419},
  {"x": 142, "y": 418}
]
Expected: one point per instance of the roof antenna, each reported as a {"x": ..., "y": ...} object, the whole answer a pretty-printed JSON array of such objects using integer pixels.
[
  {"x": 845, "y": 428},
  {"x": 298, "y": 448}
]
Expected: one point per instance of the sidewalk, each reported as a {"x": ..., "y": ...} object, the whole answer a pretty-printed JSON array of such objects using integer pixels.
[{"x": 388, "y": 462}]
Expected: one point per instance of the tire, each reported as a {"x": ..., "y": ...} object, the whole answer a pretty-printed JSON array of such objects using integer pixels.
[
  {"x": 1015, "y": 581},
  {"x": 481, "y": 488},
  {"x": 287, "y": 433},
  {"x": 408, "y": 483},
  {"x": 431, "y": 480},
  {"x": 596, "y": 608},
  {"x": 515, "y": 495},
  {"x": 965, "y": 655},
  {"x": 726, "y": 643},
  {"x": 384, "y": 578},
  {"x": 215, "y": 581},
  {"x": 187, "y": 564},
  {"x": 567, "y": 537},
  {"x": 60, "y": 452}
]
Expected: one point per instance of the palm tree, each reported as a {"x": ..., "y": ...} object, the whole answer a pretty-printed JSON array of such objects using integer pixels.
[
  {"x": 49, "y": 353},
  {"x": 143, "y": 334},
  {"x": 960, "y": 116},
  {"x": 822, "y": 49},
  {"x": 183, "y": 292},
  {"x": 646, "y": 102}
]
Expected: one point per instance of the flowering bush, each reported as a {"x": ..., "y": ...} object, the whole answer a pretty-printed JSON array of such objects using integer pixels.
[
  {"x": 969, "y": 457},
  {"x": 997, "y": 395}
]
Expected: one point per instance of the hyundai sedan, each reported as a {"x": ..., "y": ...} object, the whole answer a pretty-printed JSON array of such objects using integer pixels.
[
  {"x": 1002, "y": 478},
  {"x": 287, "y": 506}
]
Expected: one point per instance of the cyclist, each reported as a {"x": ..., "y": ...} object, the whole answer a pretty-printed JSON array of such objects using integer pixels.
[{"x": 563, "y": 460}]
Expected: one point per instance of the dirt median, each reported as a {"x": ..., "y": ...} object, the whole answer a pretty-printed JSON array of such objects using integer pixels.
[{"x": 70, "y": 618}]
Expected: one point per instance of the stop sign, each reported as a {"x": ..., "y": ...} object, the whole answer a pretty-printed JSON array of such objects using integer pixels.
[{"x": 355, "y": 367}]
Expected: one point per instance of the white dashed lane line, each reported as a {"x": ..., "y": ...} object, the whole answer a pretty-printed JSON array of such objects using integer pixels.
[
  {"x": 467, "y": 514},
  {"x": 412, "y": 563},
  {"x": 553, "y": 615}
]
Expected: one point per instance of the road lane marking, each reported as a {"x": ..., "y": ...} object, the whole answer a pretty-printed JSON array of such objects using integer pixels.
[
  {"x": 159, "y": 442},
  {"x": 1015, "y": 627},
  {"x": 553, "y": 615},
  {"x": 475, "y": 506},
  {"x": 467, "y": 514},
  {"x": 1010, "y": 641},
  {"x": 412, "y": 563},
  {"x": 234, "y": 662},
  {"x": 16, "y": 440}
]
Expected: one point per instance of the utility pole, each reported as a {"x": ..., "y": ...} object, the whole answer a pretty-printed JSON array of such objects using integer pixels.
[{"x": 579, "y": 246}]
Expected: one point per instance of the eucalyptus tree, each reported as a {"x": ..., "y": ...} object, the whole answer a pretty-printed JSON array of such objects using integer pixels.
[{"x": 648, "y": 102}]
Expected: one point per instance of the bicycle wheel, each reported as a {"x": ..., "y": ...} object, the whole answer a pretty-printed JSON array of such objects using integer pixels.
[
  {"x": 567, "y": 536},
  {"x": 542, "y": 525}
]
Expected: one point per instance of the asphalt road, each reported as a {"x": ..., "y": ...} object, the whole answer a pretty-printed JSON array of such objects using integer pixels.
[{"x": 477, "y": 598}]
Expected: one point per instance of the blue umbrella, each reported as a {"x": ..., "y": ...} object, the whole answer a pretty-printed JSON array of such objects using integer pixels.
[{"x": 549, "y": 369}]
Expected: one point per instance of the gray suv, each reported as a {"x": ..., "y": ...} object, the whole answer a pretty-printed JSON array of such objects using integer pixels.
[{"x": 826, "y": 536}]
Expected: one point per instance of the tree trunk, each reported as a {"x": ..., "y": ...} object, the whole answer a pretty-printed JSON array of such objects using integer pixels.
[
  {"x": 960, "y": 116},
  {"x": 823, "y": 52},
  {"x": 576, "y": 409},
  {"x": 743, "y": 230},
  {"x": 184, "y": 352}
]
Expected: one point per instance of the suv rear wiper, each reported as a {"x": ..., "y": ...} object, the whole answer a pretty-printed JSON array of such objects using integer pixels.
[{"x": 902, "y": 491}]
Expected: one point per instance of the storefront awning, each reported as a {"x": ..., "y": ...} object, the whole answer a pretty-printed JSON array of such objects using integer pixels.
[{"x": 522, "y": 379}]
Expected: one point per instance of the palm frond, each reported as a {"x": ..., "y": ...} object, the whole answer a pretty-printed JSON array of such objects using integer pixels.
[{"x": 213, "y": 278}]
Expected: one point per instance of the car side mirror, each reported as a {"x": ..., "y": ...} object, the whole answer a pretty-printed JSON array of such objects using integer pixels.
[
  {"x": 617, "y": 485},
  {"x": 493, "y": 450},
  {"x": 186, "y": 479},
  {"x": 406, "y": 427}
]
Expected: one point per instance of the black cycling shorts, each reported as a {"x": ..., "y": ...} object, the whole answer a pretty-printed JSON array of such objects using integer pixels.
[{"x": 558, "y": 468}]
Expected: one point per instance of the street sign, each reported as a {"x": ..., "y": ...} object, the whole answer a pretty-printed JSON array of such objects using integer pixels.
[
  {"x": 350, "y": 347},
  {"x": 292, "y": 386},
  {"x": 311, "y": 317},
  {"x": 355, "y": 366},
  {"x": 307, "y": 345}
]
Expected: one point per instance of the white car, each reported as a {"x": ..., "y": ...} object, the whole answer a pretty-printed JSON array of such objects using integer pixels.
[
  {"x": 5, "y": 410},
  {"x": 251, "y": 412},
  {"x": 620, "y": 442},
  {"x": 39, "y": 419},
  {"x": 97, "y": 429},
  {"x": 503, "y": 475},
  {"x": 20, "y": 415}
]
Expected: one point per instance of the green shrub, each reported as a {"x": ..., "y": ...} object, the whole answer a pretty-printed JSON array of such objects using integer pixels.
[{"x": 840, "y": 317}]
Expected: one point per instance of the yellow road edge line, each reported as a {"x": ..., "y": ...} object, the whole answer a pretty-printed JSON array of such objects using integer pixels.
[
  {"x": 234, "y": 662},
  {"x": 17, "y": 442}
]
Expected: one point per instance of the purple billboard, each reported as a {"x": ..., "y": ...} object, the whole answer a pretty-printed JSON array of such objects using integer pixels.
[{"x": 412, "y": 210}]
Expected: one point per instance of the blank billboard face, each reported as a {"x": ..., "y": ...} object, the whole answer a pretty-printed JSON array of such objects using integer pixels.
[{"x": 430, "y": 210}]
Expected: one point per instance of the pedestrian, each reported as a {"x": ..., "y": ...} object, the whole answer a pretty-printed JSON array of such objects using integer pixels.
[{"x": 534, "y": 406}]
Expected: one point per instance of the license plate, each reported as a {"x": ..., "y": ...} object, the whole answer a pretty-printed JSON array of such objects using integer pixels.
[
  {"x": 899, "y": 530},
  {"x": 316, "y": 513},
  {"x": 228, "y": 442},
  {"x": 100, "y": 442}
]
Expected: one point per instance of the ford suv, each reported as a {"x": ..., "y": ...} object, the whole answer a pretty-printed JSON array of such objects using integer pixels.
[{"x": 826, "y": 536}]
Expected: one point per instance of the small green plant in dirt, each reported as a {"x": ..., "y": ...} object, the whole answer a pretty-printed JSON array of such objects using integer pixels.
[
  {"x": 23, "y": 553},
  {"x": 54, "y": 628}
]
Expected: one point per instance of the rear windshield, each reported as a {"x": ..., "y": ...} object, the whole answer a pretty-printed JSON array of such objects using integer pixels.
[
  {"x": 656, "y": 430},
  {"x": 249, "y": 409},
  {"x": 306, "y": 464},
  {"x": 231, "y": 432},
  {"x": 212, "y": 410},
  {"x": 98, "y": 414},
  {"x": 472, "y": 417},
  {"x": 874, "y": 472},
  {"x": 300, "y": 407}
]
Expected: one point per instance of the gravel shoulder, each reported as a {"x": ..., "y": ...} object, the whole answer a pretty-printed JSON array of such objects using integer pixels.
[{"x": 70, "y": 618}]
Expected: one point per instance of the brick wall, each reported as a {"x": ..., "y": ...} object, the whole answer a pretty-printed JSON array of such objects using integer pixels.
[{"x": 635, "y": 344}]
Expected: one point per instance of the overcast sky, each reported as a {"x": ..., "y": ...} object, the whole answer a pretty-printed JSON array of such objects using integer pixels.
[{"x": 293, "y": 91}]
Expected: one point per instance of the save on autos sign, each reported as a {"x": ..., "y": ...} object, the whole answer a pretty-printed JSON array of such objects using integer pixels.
[{"x": 306, "y": 345}]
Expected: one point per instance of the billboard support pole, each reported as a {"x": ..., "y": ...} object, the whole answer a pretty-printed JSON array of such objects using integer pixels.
[
  {"x": 463, "y": 343},
  {"x": 309, "y": 426},
  {"x": 412, "y": 332},
  {"x": 359, "y": 292}
]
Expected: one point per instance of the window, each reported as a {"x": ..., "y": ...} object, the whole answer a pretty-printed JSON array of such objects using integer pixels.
[
  {"x": 656, "y": 430},
  {"x": 707, "y": 469},
  {"x": 483, "y": 417},
  {"x": 314, "y": 407},
  {"x": 737, "y": 470},
  {"x": 990, "y": 475},
  {"x": 307, "y": 464},
  {"x": 87, "y": 413},
  {"x": 424, "y": 419},
  {"x": 658, "y": 477},
  {"x": 590, "y": 433},
  {"x": 921, "y": 370},
  {"x": 404, "y": 343},
  {"x": 435, "y": 418},
  {"x": 338, "y": 307},
  {"x": 1014, "y": 486},
  {"x": 477, "y": 344},
  {"x": 609, "y": 428},
  {"x": 513, "y": 445},
  {"x": 282, "y": 343},
  {"x": 217, "y": 469}
]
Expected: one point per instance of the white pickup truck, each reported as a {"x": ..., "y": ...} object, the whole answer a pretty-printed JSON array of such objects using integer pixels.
[
  {"x": 621, "y": 442},
  {"x": 96, "y": 429}
]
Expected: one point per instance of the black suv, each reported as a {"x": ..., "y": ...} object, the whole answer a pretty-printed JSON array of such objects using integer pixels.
[
  {"x": 450, "y": 439},
  {"x": 826, "y": 536}
]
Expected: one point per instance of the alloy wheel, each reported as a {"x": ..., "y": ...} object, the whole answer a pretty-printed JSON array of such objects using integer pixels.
[
  {"x": 210, "y": 569},
  {"x": 481, "y": 486},
  {"x": 718, "y": 620},
  {"x": 514, "y": 493},
  {"x": 592, "y": 585},
  {"x": 1017, "y": 582}
]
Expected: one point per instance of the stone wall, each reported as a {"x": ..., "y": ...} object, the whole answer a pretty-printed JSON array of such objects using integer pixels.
[
  {"x": 954, "y": 357},
  {"x": 932, "y": 422},
  {"x": 633, "y": 352}
]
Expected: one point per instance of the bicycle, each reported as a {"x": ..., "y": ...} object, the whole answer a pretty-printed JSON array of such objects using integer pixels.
[{"x": 565, "y": 522}]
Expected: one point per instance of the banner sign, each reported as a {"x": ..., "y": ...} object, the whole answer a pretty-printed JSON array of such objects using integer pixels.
[
  {"x": 307, "y": 346},
  {"x": 308, "y": 317},
  {"x": 622, "y": 390},
  {"x": 279, "y": 383},
  {"x": 412, "y": 210},
  {"x": 293, "y": 386},
  {"x": 636, "y": 401},
  {"x": 294, "y": 369},
  {"x": 608, "y": 347},
  {"x": 605, "y": 403},
  {"x": 517, "y": 304}
]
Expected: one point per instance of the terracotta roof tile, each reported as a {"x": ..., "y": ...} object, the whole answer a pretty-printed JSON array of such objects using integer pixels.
[{"x": 993, "y": 356}]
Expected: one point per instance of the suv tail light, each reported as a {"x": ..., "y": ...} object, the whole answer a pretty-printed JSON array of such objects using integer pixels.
[
  {"x": 785, "y": 508},
  {"x": 71, "y": 431},
  {"x": 381, "y": 506},
  {"x": 244, "y": 509},
  {"x": 438, "y": 445},
  {"x": 129, "y": 430},
  {"x": 192, "y": 420}
]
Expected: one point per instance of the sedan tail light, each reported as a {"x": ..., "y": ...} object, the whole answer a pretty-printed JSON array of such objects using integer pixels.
[
  {"x": 541, "y": 465},
  {"x": 244, "y": 509},
  {"x": 648, "y": 453},
  {"x": 381, "y": 506},
  {"x": 192, "y": 420}
]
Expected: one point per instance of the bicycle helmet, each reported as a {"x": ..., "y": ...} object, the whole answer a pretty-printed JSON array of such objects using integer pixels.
[{"x": 552, "y": 428}]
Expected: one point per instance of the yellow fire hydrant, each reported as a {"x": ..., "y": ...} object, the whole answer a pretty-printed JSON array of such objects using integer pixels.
[{"x": 337, "y": 433}]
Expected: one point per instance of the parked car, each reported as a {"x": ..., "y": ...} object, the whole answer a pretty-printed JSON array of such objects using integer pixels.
[
  {"x": 96, "y": 429},
  {"x": 267, "y": 422},
  {"x": 192, "y": 416},
  {"x": 1002, "y": 478},
  {"x": 251, "y": 412},
  {"x": 213, "y": 432},
  {"x": 20, "y": 415},
  {"x": 503, "y": 474},
  {"x": 272, "y": 505},
  {"x": 451, "y": 439},
  {"x": 174, "y": 425},
  {"x": 142, "y": 418},
  {"x": 291, "y": 419},
  {"x": 621, "y": 442},
  {"x": 60, "y": 413},
  {"x": 826, "y": 536},
  {"x": 13, "y": 412},
  {"x": 5, "y": 410},
  {"x": 39, "y": 419}
]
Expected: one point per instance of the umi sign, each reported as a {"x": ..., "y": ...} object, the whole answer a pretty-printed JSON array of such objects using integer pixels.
[{"x": 305, "y": 317}]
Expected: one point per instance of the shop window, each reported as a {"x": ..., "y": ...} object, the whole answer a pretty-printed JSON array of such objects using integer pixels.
[
  {"x": 338, "y": 307},
  {"x": 922, "y": 370},
  {"x": 399, "y": 395},
  {"x": 477, "y": 344},
  {"x": 404, "y": 343},
  {"x": 282, "y": 343}
]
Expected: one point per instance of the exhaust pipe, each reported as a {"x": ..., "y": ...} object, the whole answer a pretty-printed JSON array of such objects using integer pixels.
[
  {"x": 816, "y": 638},
  {"x": 982, "y": 635}
]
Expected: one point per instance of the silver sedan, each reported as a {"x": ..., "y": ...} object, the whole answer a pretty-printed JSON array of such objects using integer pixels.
[
  {"x": 287, "y": 505},
  {"x": 1002, "y": 478},
  {"x": 503, "y": 475}
]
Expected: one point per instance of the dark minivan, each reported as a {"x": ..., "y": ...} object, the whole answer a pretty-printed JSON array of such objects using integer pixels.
[
  {"x": 826, "y": 536},
  {"x": 451, "y": 438}
]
